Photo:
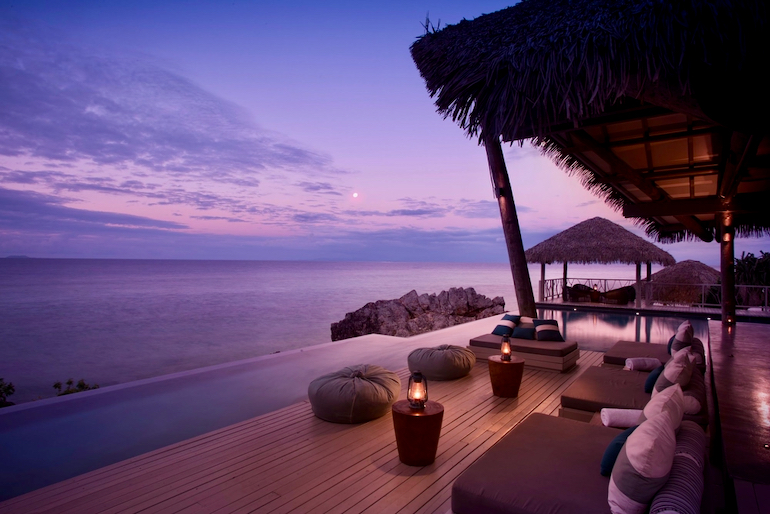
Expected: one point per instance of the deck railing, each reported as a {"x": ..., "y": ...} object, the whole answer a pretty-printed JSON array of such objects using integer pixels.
[{"x": 652, "y": 293}]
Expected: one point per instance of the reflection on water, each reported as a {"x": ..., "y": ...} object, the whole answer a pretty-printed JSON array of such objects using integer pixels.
[{"x": 598, "y": 331}]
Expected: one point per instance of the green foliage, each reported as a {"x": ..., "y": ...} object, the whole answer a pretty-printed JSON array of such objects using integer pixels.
[
  {"x": 6, "y": 390},
  {"x": 79, "y": 387},
  {"x": 750, "y": 270}
]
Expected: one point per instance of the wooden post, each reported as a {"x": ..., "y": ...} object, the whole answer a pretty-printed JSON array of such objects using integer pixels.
[
  {"x": 521, "y": 281},
  {"x": 648, "y": 286},
  {"x": 542, "y": 281},
  {"x": 727, "y": 242},
  {"x": 638, "y": 285},
  {"x": 564, "y": 294}
]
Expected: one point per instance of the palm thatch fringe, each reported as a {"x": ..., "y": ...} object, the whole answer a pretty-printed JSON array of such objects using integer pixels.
[{"x": 597, "y": 241}]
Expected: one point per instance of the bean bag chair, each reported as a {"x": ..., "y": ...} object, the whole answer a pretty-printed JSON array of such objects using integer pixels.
[
  {"x": 354, "y": 394},
  {"x": 445, "y": 362}
]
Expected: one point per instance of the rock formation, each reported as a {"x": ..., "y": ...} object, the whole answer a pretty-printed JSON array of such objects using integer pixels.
[{"x": 416, "y": 314}]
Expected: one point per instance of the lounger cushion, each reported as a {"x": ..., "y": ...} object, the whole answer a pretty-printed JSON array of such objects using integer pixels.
[
  {"x": 683, "y": 490},
  {"x": 547, "y": 330},
  {"x": 642, "y": 466},
  {"x": 676, "y": 371},
  {"x": 527, "y": 346},
  {"x": 445, "y": 362},
  {"x": 649, "y": 384},
  {"x": 354, "y": 394},
  {"x": 545, "y": 464},
  {"x": 623, "y": 350},
  {"x": 612, "y": 451},
  {"x": 601, "y": 387}
]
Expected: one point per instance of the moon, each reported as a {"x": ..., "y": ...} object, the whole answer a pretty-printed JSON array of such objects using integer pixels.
[{"x": 355, "y": 195}]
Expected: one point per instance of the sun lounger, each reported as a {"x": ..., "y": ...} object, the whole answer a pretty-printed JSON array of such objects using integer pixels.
[
  {"x": 623, "y": 350},
  {"x": 599, "y": 387},
  {"x": 553, "y": 355},
  {"x": 551, "y": 464}
]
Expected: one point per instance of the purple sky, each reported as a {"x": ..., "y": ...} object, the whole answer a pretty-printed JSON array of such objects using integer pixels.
[{"x": 242, "y": 130}]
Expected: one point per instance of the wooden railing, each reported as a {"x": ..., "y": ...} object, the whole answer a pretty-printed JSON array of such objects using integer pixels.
[{"x": 705, "y": 295}]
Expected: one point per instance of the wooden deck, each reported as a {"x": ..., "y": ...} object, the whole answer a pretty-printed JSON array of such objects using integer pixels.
[{"x": 290, "y": 461}]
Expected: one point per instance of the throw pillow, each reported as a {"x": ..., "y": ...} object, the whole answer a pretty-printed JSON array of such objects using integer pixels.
[
  {"x": 671, "y": 400},
  {"x": 642, "y": 466},
  {"x": 523, "y": 333},
  {"x": 683, "y": 338},
  {"x": 505, "y": 328},
  {"x": 694, "y": 394},
  {"x": 612, "y": 451},
  {"x": 512, "y": 317},
  {"x": 649, "y": 384},
  {"x": 547, "y": 330},
  {"x": 677, "y": 370},
  {"x": 526, "y": 322}
]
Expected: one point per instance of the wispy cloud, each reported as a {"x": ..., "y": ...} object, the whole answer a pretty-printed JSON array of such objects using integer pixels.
[{"x": 66, "y": 103}]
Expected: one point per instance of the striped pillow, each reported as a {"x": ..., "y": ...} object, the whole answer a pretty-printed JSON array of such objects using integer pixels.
[
  {"x": 683, "y": 490},
  {"x": 512, "y": 317},
  {"x": 505, "y": 328},
  {"x": 695, "y": 394},
  {"x": 547, "y": 330},
  {"x": 642, "y": 466},
  {"x": 683, "y": 338},
  {"x": 670, "y": 400},
  {"x": 677, "y": 370},
  {"x": 526, "y": 322}
]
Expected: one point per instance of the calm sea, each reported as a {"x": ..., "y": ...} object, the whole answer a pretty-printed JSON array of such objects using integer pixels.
[{"x": 113, "y": 321}]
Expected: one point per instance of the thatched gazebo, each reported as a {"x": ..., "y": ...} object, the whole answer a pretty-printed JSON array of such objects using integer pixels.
[
  {"x": 597, "y": 240},
  {"x": 658, "y": 107},
  {"x": 684, "y": 282}
]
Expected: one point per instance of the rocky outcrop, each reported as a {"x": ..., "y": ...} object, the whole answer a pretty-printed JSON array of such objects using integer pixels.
[{"x": 416, "y": 314}]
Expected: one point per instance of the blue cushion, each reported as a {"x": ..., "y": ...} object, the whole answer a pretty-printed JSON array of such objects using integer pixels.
[
  {"x": 512, "y": 317},
  {"x": 649, "y": 384},
  {"x": 524, "y": 333},
  {"x": 547, "y": 330},
  {"x": 502, "y": 330},
  {"x": 612, "y": 451},
  {"x": 671, "y": 343}
]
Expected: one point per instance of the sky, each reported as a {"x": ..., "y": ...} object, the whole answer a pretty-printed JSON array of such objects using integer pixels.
[{"x": 254, "y": 130}]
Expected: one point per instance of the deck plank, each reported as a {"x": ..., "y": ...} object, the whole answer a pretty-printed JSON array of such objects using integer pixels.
[{"x": 290, "y": 461}]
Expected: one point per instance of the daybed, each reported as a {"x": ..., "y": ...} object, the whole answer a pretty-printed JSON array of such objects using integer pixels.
[
  {"x": 623, "y": 350},
  {"x": 599, "y": 387},
  {"x": 548, "y": 351},
  {"x": 551, "y": 464}
]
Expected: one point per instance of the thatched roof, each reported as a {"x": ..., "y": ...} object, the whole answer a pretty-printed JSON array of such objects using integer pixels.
[
  {"x": 519, "y": 71},
  {"x": 597, "y": 241},
  {"x": 658, "y": 107},
  {"x": 687, "y": 272}
]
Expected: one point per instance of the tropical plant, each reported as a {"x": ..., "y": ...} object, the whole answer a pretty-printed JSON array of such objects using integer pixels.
[
  {"x": 752, "y": 271},
  {"x": 79, "y": 387},
  {"x": 6, "y": 390}
]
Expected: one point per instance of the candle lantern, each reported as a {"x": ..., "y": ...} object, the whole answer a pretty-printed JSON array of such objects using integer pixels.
[
  {"x": 417, "y": 391},
  {"x": 505, "y": 349}
]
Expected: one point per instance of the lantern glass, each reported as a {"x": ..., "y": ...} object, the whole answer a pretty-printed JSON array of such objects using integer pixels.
[
  {"x": 417, "y": 391},
  {"x": 505, "y": 349}
]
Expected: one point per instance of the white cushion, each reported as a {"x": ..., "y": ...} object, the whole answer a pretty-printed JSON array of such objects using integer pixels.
[
  {"x": 671, "y": 400},
  {"x": 678, "y": 370}
]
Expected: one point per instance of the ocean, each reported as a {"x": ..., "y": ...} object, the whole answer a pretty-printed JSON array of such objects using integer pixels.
[{"x": 114, "y": 321}]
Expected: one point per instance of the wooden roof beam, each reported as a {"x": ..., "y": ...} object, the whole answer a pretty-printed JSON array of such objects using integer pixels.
[
  {"x": 689, "y": 133},
  {"x": 750, "y": 203},
  {"x": 742, "y": 150}
]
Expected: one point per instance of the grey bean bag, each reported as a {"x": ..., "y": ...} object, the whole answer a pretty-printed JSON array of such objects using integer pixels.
[
  {"x": 354, "y": 394},
  {"x": 445, "y": 362}
]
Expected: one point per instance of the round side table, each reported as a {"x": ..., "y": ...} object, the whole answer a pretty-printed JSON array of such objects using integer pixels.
[
  {"x": 417, "y": 432},
  {"x": 506, "y": 375}
]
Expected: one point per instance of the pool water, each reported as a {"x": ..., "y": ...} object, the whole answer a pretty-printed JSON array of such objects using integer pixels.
[{"x": 598, "y": 331}]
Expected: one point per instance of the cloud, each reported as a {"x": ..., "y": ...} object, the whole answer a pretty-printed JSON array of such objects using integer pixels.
[
  {"x": 218, "y": 218},
  {"x": 71, "y": 104},
  {"x": 478, "y": 209},
  {"x": 22, "y": 211},
  {"x": 588, "y": 203},
  {"x": 319, "y": 187}
]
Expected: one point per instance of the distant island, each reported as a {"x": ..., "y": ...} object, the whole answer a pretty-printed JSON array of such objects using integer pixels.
[{"x": 18, "y": 257}]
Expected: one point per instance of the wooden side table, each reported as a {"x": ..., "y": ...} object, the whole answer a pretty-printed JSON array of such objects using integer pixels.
[
  {"x": 417, "y": 432},
  {"x": 506, "y": 375}
]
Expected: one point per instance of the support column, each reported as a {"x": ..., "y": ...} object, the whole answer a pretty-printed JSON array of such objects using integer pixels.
[
  {"x": 542, "y": 281},
  {"x": 727, "y": 242},
  {"x": 648, "y": 286},
  {"x": 638, "y": 285},
  {"x": 564, "y": 294},
  {"x": 521, "y": 281}
]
